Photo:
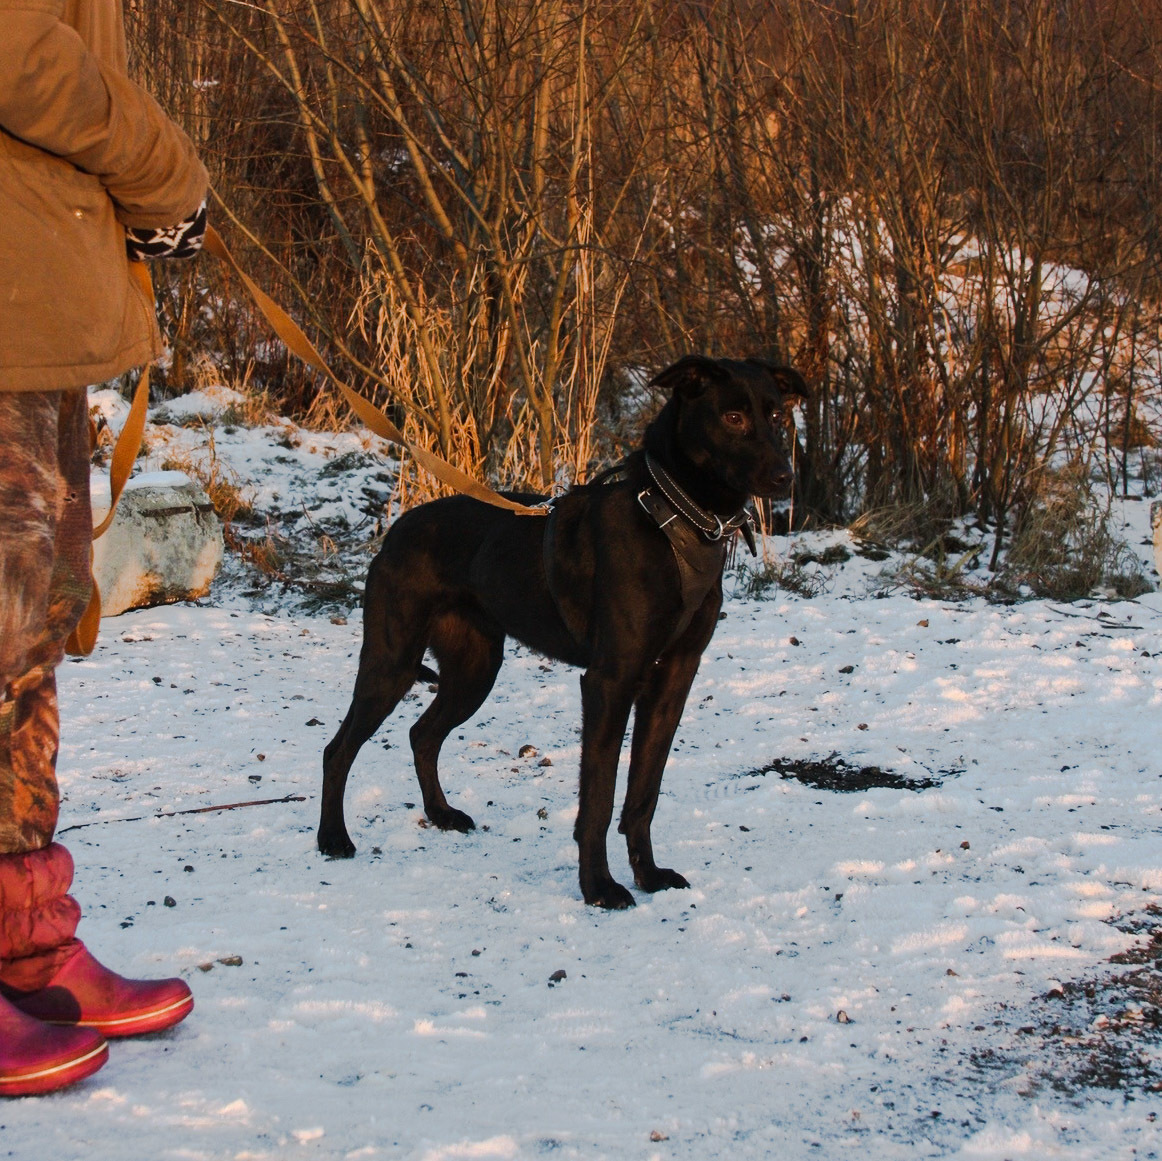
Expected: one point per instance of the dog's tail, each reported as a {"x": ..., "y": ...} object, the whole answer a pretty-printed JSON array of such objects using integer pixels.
[{"x": 423, "y": 673}]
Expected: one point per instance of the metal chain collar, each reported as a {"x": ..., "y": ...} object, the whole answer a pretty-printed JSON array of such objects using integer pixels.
[{"x": 711, "y": 526}]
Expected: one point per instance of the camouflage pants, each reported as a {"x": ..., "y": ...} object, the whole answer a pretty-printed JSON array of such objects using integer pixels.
[{"x": 45, "y": 580}]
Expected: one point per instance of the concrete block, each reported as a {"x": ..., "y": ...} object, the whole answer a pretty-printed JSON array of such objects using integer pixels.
[{"x": 165, "y": 543}]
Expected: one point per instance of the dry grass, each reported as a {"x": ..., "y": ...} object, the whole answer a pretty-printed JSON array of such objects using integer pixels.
[
  {"x": 254, "y": 410},
  {"x": 1064, "y": 546},
  {"x": 268, "y": 555},
  {"x": 793, "y": 575},
  {"x": 923, "y": 527},
  {"x": 249, "y": 407},
  {"x": 220, "y": 483},
  {"x": 936, "y": 560},
  {"x": 944, "y": 580}
]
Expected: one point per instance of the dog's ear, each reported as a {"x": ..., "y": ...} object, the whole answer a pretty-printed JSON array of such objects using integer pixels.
[
  {"x": 788, "y": 381},
  {"x": 689, "y": 376}
]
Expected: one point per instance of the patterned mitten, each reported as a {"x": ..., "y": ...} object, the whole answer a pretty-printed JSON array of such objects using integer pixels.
[{"x": 181, "y": 241}]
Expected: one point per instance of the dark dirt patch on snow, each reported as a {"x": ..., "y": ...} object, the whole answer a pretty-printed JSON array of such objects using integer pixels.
[
  {"x": 833, "y": 773},
  {"x": 1097, "y": 1033}
]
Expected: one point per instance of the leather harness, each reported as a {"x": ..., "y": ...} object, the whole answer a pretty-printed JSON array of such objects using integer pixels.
[{"x": 698, "y": 539}]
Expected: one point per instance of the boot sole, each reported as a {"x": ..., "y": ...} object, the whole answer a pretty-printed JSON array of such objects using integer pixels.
[
  {"x": 56, "y": 1076},
  {"x": 140, "y": 1022}
]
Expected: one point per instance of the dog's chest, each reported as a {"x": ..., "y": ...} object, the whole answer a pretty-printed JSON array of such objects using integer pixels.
[{"x": 616, "y": 558}]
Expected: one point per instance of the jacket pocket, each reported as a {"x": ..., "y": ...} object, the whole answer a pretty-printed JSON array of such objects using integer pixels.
[{"x": 63, "y": 272}]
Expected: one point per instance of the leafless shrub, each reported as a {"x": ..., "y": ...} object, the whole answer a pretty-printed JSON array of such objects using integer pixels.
[{"x": 490, "y": 211}]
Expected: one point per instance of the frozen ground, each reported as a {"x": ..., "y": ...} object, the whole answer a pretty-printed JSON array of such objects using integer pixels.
[{"x": 884, "y": 972}]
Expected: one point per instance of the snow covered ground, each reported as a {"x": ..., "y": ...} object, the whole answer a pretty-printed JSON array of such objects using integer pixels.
[{"x": 887, "y": 972}]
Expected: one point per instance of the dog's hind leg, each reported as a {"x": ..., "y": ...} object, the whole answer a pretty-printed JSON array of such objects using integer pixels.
[
  {"x": 378, "y": 688},
  {"x": 469, "y": 659}
]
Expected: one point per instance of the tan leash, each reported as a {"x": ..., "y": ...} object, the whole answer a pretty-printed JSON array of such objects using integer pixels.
[
  {"x": 298, "y": 343},
  {"x": 84, "y": 637}
]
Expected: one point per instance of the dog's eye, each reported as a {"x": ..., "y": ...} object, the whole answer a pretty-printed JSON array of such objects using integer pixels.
[{"x": 736, "y": 419}]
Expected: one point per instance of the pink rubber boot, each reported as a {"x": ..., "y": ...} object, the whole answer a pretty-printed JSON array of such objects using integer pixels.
[
  {"x": 48, "y": 974},
  {"x": 37, "y": 1058},
  {"x": 68, "y": 986}
]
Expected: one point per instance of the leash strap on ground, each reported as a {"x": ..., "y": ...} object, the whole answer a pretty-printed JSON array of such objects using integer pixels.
[{"x": 298, "y": 343}]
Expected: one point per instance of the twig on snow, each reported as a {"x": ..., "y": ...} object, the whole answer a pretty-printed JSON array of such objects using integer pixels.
[{"x": 192, "y": 810}]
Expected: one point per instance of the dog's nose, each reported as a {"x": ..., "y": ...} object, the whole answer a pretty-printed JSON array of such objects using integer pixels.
[{"x": 782, "y": 479}]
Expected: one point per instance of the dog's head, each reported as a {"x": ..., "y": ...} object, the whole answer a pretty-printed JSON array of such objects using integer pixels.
[{"x": 729, "y": 418}]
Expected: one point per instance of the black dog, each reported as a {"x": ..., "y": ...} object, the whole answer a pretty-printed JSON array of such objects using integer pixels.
[{"x": 623, "y": 579}]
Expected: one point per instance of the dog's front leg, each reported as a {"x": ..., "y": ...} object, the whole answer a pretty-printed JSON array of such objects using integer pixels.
[
  {"x": 606, "y": 699},
  {"x": 656, "y": 717}
]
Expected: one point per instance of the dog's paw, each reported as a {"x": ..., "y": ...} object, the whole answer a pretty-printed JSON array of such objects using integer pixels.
[
  {"x": 611, "y": 895},
  {"x": 336, "y": 846},
  {"x": 449, "y": 818},
  {"x": 660, "y": 879}
]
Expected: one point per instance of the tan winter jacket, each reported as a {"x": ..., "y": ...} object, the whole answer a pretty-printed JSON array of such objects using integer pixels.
[{"x": 84, "y": 152}]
